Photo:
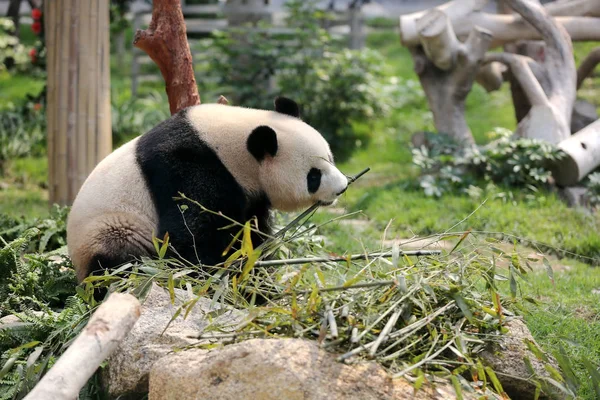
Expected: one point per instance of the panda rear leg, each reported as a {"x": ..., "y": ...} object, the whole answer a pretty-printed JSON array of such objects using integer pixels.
[{"x": 109, "y": 241}]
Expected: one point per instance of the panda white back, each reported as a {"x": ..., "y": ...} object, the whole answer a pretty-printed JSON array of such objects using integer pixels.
[{"x": 235, "y": 160}]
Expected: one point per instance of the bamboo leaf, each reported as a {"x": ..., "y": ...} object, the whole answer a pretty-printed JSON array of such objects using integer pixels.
[
  {"x": 492, "y": 375},
  {"x": 594, "y": 374},
  {"x": 513, "y": 283},
  {"x": 171, "y": 288},
  {"x": 164, "y": 247},
  {"x": 549, "y": 270},
  {"x": 247, "y": 247},
  {"x": 457, "y": 387},
  {"x": 464, "y": 307},
  {"x": 252, "y": 258},
  {"x": 462, "y": 238},
  {"x": 419, "y": 381},
  {"x": 235, "y": 239}
]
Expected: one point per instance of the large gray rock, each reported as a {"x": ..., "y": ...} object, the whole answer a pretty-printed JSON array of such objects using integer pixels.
[
  {"x": 507, "y": 356},
  {"x": 275, "y": 369},
  {"x": 128, "y": 368}
]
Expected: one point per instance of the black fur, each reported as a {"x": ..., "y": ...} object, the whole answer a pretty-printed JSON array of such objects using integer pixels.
[
  {"x": 174, "y": 159},
  {"x": 287, "y": 106},
  {"x": 261, "y": 142}
]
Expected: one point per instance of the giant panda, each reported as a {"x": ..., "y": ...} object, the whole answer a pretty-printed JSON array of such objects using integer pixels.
[{"x": 239, "y": 161}]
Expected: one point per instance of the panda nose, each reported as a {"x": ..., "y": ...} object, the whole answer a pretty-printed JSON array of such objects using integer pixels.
[{"x": 342, "y": 192}]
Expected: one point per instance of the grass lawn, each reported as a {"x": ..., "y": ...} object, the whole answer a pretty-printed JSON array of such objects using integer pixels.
[{"x": 569, "y": 309}]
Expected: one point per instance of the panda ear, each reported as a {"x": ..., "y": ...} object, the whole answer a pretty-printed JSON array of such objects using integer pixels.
[
  {"x": 262, "y": 142},
  {"x": 287, "y": 106}
]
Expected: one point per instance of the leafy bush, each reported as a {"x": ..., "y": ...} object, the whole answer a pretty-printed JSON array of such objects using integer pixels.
[
  {"x": 22, "y": 133},
  {"x": 50, "y": 232},
  {"x": 133, "y": 116},
  {"x": 593, "y": 185},
  {"x": 14, "y": 55},
  {"x": 448, "y": 166},
  {"x": 338, "y": 90}
]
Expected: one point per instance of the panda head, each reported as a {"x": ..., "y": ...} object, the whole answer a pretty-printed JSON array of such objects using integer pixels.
[{"x": 295, "y": 164}]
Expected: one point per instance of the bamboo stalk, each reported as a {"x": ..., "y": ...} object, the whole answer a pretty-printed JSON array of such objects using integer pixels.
[
  {"x": 387, "y": 254},
  {"x": 50, "y": 32},
  {"x": 72, "y": 99},
  {"x": 92, "y": 131},
  {"x": 82, "y": 104},
  {"x": 314, "y": 207}
]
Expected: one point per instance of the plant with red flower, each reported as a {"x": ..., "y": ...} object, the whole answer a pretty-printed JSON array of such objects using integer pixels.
[
  {"x": 36, "y": 14},
  {"x": 36, "y": 27},
  {"x": 33, "y": 55}
]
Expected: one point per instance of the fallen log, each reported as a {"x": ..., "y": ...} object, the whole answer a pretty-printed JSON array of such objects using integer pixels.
[
  {"x": 111, "y": 322},
  {"x": 583, "y": 155}
]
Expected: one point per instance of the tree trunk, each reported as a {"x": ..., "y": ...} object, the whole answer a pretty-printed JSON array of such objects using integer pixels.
[
  {"x": 504, "y": 28},
  {"x": 78, "y": 112},
  {"x": 447, "y": 69},
  {"x": 108, "y": 326}
]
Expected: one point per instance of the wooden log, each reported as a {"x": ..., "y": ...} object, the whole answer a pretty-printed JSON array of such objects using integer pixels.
[
  {"x": 165, "y": 41},
  {"x": 573, "y": 8},
  {"x": 109, "y": 325},
  {"x": 504, "y": 28},
  {"x": 447, "y": 69},
  {"x": 551, "y": 89},
  {"x": 491, "y": 76},
  {"x": 587, "y": 66},
  {"x": 78, "y": 103},
  {"x": 583, "y": 155}
]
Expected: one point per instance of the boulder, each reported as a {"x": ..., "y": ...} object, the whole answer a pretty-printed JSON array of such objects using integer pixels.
[
  {"x": 128, "y": 368},
  {"x": 506, "y": 358},
  {"x": 274, "y": 369}
]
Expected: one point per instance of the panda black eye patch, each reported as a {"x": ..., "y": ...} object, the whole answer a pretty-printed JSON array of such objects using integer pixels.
[{"x": 313, "y": 180}]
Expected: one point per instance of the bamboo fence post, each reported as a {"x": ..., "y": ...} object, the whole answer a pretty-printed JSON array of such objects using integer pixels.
[{"x": 78, "y": 111}]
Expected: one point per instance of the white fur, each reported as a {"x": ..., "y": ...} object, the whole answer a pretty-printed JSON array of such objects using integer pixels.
[
  {"x": 283, "y": 177},
  {"x": 113, "y": 196}
]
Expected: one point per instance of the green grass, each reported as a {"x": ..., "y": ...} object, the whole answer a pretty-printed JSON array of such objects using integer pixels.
[
  {"x": 569, "y": 315},
  {"x": 13, "y": 88}
]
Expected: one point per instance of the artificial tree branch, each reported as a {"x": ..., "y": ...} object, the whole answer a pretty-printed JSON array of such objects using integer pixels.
[
  {"x": 521, "y": 70},
  {"x": 111, "y": 322},
  {"x": 165, "y": 41},
  {"x": 504, "y": 28},
  {"x": 534, "y": 13},
  {"x": 446, "y": 67},
  {"x": 573, "y": 8},
  {"x": 588, "y": 65}
]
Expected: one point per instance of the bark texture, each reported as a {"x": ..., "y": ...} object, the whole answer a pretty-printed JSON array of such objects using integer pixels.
[
  {"x": 447, "y": 69},
  {"x": 111, "y": 322},
  {"x": 583, "y": 155},
  {"x": 78, "y": 110},
  {"x": 504, "y": 28},
  {"x": 549, "y": 83},
  {"x": 165, "y": 41}
]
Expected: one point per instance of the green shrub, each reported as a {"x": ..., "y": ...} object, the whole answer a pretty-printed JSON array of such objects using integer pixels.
[
  {"x": 340, "y": 91},
  {"x": 22, "y": 133},
  {"x": 50, "y": 232},
  {"x": 132, "y": 117},
  {"x": 593, "y": 184},
  {"x": 448, "y": 166}
]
